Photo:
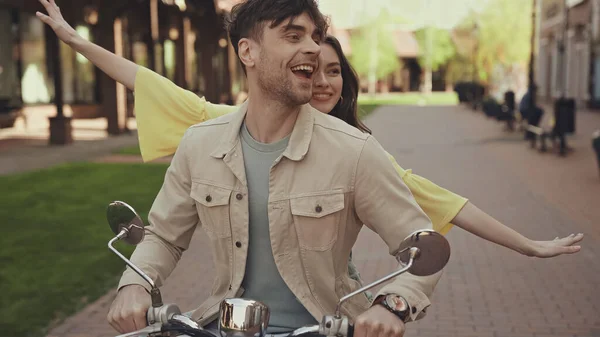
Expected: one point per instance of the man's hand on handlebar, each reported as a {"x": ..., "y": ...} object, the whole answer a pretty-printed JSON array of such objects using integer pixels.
[
  {"x": 128, "y": 311},
  {"x": 378, "y": 322}
]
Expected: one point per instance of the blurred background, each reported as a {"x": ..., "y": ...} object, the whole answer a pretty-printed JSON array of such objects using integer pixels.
[
  {"x": 396, "y": 46},
  {"x": 494, "y": 99}
]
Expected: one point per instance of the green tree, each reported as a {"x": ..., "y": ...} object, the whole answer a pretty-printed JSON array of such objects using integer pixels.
[
  {"x": 437, "y": 48},
  {"x": 436, "y": 51},
  {"x": 373, "y": 49},
  {"x": 502, "y": 31},
  {"x": 460, "y": 68}
]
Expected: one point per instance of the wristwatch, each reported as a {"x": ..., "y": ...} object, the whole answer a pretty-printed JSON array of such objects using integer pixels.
[{"x": 397, "y": 305}]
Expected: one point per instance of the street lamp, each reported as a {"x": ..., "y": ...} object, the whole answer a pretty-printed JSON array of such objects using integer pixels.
[
  {"x": 564, "y": 108},
  {"x": 90, "y": 15},
  {"x": 173, "y": 33},
  {"x": 531, "y": 85},
  {"x": 474, "y": 79},
  {"x": 531, "y": 113}
]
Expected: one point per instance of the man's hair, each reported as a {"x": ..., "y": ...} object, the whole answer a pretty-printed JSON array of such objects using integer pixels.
[{"x": 249, "y": 18}]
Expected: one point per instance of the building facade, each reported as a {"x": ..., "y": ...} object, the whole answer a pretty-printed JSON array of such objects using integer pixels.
[
  {"x": 567, "y": 58},
  {"x": 408, "y": 77},
  {"x": 183, "y": 40}
]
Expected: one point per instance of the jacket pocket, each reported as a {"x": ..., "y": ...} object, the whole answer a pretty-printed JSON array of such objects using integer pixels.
[
  {"x": 316, "y": 219},
  {"x": 355, "y": 305},
  {"x": 212, "y": 203}
]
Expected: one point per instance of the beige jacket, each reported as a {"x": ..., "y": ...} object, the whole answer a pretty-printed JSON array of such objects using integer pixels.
[{"x": 331, "y": 179}]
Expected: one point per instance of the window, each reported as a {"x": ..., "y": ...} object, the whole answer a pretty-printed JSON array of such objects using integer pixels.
[
  {"x": 35, "y": 84},
  {"x": 8, "y": 64},
  {"x": 170, "y": 59},
  {"x": 79, "y": 75}
]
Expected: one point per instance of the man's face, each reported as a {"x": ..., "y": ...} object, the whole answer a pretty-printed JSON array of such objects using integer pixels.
[{"x": 288, "y": 59}]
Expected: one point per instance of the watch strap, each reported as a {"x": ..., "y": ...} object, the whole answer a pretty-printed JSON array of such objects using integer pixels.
[{"x": 383, "y": 301}]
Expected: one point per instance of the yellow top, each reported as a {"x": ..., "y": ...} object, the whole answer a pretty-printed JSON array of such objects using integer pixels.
[{"x": 165, "y": 111}]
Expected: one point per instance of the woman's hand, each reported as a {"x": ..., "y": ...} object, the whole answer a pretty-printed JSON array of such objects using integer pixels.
[
  {"x": 55, "y": 20},
  {"x": 555, "y": 247}
]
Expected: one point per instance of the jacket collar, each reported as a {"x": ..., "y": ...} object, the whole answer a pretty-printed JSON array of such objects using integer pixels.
[{"x": 299, "y": 139}]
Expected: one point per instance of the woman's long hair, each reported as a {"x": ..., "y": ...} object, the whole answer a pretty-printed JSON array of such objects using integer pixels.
[{"x": 347, "y": 108}]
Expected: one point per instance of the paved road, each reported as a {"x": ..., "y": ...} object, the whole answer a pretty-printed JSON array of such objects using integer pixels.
[
  {"x": 486, "y": 290},
  {"x": 24, "y": 147}
]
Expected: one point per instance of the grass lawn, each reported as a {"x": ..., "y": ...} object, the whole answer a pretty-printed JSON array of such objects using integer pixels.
[
  {"x": 411, "y": 98},
  {"x": 365, "y": 109},
  {"x": 129, "y": 151},
  {"x": 368, "y": 103},
  {"x": 54, "y": 256}
]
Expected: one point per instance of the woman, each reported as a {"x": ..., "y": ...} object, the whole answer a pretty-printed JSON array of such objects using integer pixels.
[{"x": 164, "y": 111}]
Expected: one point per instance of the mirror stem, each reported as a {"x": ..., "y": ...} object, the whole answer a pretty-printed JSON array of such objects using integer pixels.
[
  {"x": 154, "y": 293},
  {"x": 413, "y": 253}
]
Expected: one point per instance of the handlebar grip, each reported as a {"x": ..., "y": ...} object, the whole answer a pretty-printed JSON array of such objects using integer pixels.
[
  {"x": 350, "y": 330},
  {"x": 150, "y": 316},
  {"x": 161, "y": 314}
]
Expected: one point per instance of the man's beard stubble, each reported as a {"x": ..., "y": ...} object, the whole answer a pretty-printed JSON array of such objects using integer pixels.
[{"x": 278, "y": 85}]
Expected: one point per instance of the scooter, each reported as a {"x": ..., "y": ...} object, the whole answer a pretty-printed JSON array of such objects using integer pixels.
[{"x": 423, "y": 253}]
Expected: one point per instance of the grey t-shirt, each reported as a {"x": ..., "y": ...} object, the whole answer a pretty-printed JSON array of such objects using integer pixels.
[{"x": 262, "y": 281}]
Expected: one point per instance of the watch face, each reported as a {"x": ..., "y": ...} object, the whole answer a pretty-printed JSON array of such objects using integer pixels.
[{"x": 396, "y": 303}]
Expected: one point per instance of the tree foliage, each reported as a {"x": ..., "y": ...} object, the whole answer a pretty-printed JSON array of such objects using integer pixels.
[
  {"x": 440, "y": 50},
  {"x": 373, "y": 48},
  {"x": 503, "y": 35}
]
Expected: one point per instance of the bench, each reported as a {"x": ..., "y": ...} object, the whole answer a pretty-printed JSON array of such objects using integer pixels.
[
  {"x": 596, "y": 145},
  {"x": 9, "y": 114},
  {"x": 538, "y": 132},
  {"x": 563, "y": 124}
]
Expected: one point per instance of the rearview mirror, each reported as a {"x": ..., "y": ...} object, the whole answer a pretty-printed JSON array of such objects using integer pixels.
[
  {"x": 432, "y": 256},
  {"x": 122, "y": 216}
]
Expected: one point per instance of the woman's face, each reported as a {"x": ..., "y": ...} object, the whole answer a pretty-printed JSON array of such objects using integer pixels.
[{"x": 328, "y": 82}]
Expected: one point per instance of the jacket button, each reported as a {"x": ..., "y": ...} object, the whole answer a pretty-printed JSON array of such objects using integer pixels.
[
  {"x": 238, "y": 244},
  {"x": 318, "y": 209},
  {"x": 208, "y": 198},
  {"x": 239, "y": 196},
  {"x": 414, "y": 310}
]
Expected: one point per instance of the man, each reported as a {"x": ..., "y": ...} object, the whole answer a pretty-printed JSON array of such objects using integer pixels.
[
  {"x": 525, "y": 103},
  {"x": 282, "y": 192},
  {"x": 531, "y": 113}
]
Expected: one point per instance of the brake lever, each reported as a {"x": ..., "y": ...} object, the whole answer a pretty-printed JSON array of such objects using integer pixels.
[
  {"x": 350, "y": 332},
  {"x": 311, "y": 329},
  {"x": 180, "y": 325},
  {"x": 187, "y": 321},
  {"x": 145, "y": 331}
]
